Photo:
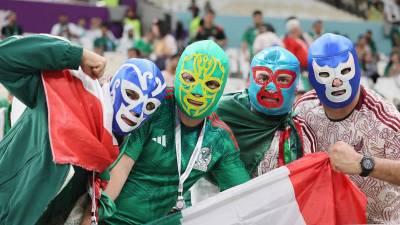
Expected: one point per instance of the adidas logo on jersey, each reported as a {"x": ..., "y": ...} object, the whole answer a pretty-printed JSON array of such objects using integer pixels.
[{"x": 160, "y": 140}]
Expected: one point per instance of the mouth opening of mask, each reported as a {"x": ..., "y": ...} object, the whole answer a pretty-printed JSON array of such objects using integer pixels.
[
  {"x": 270, "y": 99},
  {"x": 339, "y": 92},
  {"x": 128, "y": 121},
  {"x": 195, "y": 103}
]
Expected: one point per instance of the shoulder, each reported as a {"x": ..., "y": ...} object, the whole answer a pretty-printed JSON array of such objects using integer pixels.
[
  {"x": 230, "y": 101},
  {"x": 229, "y": 97},
  {"x": 306, "y": 102},
  {"x": 218, "y": 28},
  {"x": 221, "y": 127},
  {"x": 384, "y": 111}
]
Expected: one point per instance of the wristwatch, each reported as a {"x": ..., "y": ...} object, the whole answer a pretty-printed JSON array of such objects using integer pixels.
[{"x": 367, "y": 165}]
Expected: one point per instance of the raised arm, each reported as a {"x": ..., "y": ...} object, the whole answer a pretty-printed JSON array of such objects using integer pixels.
[
  {"x": 22, "y": 59},
  {"x": 30, "y": 55}
]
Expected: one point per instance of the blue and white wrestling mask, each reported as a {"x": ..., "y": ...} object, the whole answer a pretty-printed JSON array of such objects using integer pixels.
[
  {"x": 137, "y": 89},
  {"x": 334, "y": 71},
  {"x": 274, "y": 76}
]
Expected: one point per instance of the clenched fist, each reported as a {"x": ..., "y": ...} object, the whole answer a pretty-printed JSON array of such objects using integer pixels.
[
  {"x": 93, "y": 64},
  {"x": 344, "y": 158}
]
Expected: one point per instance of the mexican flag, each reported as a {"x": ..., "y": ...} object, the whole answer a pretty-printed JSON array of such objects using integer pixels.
[
  {"x": 306, "y": 191},
  {"x": 80, "y": 120}
]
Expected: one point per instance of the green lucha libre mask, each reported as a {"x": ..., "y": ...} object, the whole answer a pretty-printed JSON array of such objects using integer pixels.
[{"x": 200, "y": 78}]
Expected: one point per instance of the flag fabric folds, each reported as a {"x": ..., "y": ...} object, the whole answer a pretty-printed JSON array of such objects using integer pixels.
[{"x": 306, "y": 191}]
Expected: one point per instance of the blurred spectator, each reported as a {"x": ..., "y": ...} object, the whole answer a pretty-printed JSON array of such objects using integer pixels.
[
  {"x": 295, "y": 41},
  {"x": 180, "y": 35},
  {"x": 92, "y": 33},
  {"x": 145, "y": 44},
  {"x": 362, "y": 47},
  {"x": 133, "y": 22},
  {"x": 104, "y": 43},
  {"x": 12, "y": 28},
  {"x": 193, "y": 5},
  {"x": 375, "y": 11},
  {"x": 169, "y": 72},
  {"x": 395, "y": 37},
  {"x": 391, "y": 11},
  {"x": 81, "y": 26},
  {"x": 207, "y": 6},
  {"x": 370, "y": 41},
  {"x": 266, "y": 38},
  {"x": 251, "y": 33},
  {"x": 65, "y": 29},
  {"x": 110, "y": 3},
  {"x": 317, "y": 29},
  {"x": 211, "y": 31},
  {"x": 127, "y": 40},
  {"x": 134, "y": 53},
  {"x": 194, "y": 23},
  {"x": 393, "y": 67},
  {"x": 369, "y": 66},
  {"x": 164, "y": 43}
]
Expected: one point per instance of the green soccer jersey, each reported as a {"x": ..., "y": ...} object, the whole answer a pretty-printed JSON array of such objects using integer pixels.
[
  {"x": 151, "y": 189},
  {"x": 249, "y": 36},
  {"x": 29, "y": 179}
]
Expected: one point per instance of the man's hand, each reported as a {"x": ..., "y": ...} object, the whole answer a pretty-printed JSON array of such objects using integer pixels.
[
  {"x": 93, "y": 64},
  {"x": 344, "y": 158}
]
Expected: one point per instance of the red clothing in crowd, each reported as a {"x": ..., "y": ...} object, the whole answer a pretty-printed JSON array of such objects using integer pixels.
[{"x": 299, "y": 48}]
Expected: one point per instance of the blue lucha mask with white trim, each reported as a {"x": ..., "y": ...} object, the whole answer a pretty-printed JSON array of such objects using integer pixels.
[
  {"x": 274, "y": 76},
  {"x": 137, "y": 89},
  {"x": 333, "y": 59}
]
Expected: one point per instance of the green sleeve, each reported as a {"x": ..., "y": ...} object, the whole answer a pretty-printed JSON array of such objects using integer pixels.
[
  {"x": 230, "y": 170},
  {"x": 23, "y": 58},
  {"x": 246, "y": 36},
  {"x": 133, "y": 146}
]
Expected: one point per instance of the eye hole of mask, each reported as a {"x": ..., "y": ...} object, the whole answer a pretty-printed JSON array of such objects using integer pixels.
[
  {"x": 284, "y": 79},
  {"x": 262, "y": 77},
  {"x": 324, "y": 74},
  {"x": 188, "y": 77},
  {"x": 150, "y": 106},
  {"x": 133, "y": 95},
  {"x": 213, "y": 84},
  {"x": 345, "y": 71}
]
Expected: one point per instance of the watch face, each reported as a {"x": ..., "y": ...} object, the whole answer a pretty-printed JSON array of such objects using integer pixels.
[{"x": 368, "y": 164}]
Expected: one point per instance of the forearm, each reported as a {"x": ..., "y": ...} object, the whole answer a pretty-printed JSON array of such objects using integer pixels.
[
  {"x": 387, "y": 170},
  {"x": 119, "y": 175},
  {"x": 34, "y": 53}
]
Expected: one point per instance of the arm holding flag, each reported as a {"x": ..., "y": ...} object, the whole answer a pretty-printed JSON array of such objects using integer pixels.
[
  {"x": 346, "y": 160},
  {"x": 23, "y": 58}
]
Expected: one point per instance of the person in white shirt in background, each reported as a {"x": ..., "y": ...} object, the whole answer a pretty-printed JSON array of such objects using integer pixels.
[
  {"x": 93, "y": 33},
  {"x": 127, "y": 40},
  {"x": 265, "y": 39},
  {"x": 66, "y": 29}
]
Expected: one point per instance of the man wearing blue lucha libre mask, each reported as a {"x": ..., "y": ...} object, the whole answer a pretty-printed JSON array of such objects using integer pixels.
[
  {"x": 261, "y": 117},
  {"x": 65, "y": 133},
  {"x": 137, "y": 90},
  {"x": 360, "y": 130}
]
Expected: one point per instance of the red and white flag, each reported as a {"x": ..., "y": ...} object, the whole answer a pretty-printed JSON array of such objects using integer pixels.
[
  {"x": 80, "y": 120},
  {"x": 306, "y": 191}
]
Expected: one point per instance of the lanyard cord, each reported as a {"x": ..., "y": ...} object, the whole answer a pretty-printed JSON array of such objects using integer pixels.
[
  {"x": 93, "y": 220},
  {"x": 193, "y": 157}
]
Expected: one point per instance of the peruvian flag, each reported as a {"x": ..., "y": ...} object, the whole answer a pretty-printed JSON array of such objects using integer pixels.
[
  {"x": 306, "y": 191},
  {"x": 80, "y": 120}
]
